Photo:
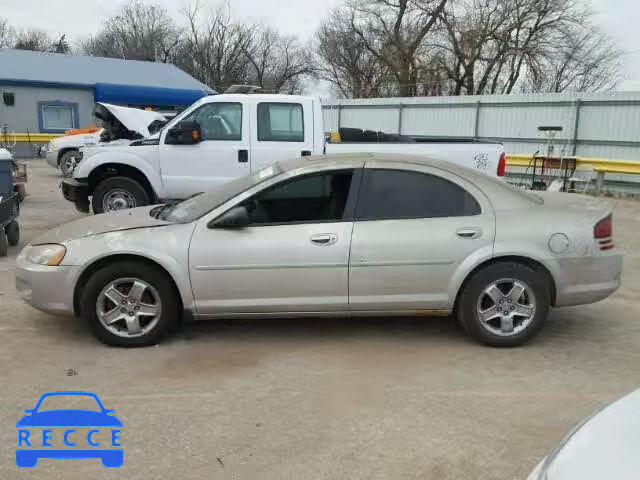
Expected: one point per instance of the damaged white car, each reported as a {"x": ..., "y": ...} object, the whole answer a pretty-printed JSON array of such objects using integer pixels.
[{"x": 119, "y": 125}]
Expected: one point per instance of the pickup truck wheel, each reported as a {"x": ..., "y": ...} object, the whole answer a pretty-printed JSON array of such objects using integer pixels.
[
  {"x": 504, "y": 305},
  {"x": 68, "y": 162},
  {"x": 118, "y": 193}
]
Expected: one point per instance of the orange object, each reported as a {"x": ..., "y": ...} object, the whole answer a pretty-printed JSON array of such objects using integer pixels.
[{"x": 80, "y": 131}]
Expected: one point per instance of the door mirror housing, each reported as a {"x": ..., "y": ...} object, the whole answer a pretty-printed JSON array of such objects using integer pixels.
[
  {"x": 237, "y": 217},
  {"x": 185, "y": 133}
]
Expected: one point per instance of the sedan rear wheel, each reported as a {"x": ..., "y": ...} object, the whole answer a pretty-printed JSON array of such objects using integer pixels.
[
  {"x": 504, "y": 304},
  {"x": 130, "y": 304}
]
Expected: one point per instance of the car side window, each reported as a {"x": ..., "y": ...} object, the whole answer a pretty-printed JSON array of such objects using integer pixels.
[
  {"x": 313, "y": 198},
  {"x": 401, "y": 194},
  {"x": 218, "y": 121},
  {"x": 280, "y": 122}
]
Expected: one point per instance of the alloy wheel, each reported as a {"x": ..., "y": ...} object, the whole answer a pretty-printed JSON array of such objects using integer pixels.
[
  {"x": 129, "y": 307},
  {"x": 506, "y": 307}
]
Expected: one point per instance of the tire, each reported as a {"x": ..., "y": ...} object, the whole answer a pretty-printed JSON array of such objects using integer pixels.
[
  {"x": 4, "y": 244},
  {"x": 13, "y": 233},
  {"x": 93, "y": 298},
  {"x": 479, "y": 298},
  {"x": 68, "y": 162},
  {"x": 122, "y": 191}
]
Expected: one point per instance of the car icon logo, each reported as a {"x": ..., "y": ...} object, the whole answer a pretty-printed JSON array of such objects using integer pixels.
[{"x": 68, "y": 425}]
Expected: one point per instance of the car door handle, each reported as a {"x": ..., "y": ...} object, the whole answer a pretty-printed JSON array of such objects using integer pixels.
[
  {"x": 306, "y": 153},
  {"x": 469, "y": 233},
  {"x": 324, "y": 239},
  {"x": 243, "y": 156}
]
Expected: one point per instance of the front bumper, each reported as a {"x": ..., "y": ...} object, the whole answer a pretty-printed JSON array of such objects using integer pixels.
[
  {"x": 49, "y": 289},
  {"x": 581, "y": 281},
  {"x": 52, "y": 158},
  {"x": 75, "y": 190}
]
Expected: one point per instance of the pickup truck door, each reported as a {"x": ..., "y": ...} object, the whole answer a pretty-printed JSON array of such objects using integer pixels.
[
  {"x": 222, "y": 155},
  {"x": 283, "y": 130}
]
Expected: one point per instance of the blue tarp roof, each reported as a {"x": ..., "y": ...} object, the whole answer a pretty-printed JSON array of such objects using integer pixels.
[
  {"x": 118, "y": 81},
  {"x": 137, "y": 95}
]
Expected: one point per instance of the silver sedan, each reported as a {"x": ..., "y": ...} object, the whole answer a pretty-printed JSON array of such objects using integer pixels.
[{"x": 355, "y": 234}]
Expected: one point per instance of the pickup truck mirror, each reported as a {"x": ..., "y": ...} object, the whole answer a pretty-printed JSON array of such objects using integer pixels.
[
  {"x": 237, "y": 217},
  {"x": 185, "y": 133}
]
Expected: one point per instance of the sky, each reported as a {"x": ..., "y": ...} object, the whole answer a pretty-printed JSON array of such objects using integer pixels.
[{"x": 79, "y": 18}]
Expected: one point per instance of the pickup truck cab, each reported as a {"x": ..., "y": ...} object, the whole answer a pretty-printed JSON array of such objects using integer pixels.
[{"x": 223, "y": 137}]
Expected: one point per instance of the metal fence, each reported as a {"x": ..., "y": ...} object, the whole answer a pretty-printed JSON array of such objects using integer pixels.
[{"x": 604, "y": 125}]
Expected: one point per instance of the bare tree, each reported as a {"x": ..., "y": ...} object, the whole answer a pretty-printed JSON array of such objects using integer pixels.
[
  {"x": 343, "y": 60},
  {"x": 395, "y": 33},
  {"x": 278, "y": 63},
  {"x": 35, "y": 40},
  {"x": 502, "y": 46},
  {"x": 581, "y": 60},
  {"x": 139, "y": 31},
  {"x": 7, "y": 34},
  {"x": 214, "y": 47}
]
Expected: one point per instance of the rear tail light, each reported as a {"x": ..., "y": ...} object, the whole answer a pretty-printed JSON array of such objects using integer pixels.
[
  {"x": 603, "y": 232},
  {"x": 502, "y": 165}
]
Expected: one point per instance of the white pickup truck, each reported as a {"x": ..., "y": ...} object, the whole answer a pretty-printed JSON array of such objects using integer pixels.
[{"x": 222, "y": 137}]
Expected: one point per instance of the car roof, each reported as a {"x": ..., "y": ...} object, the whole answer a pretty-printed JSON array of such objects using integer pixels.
[
  {"x": 370, "y": 157},
  {"x": 500, "y": 193}
]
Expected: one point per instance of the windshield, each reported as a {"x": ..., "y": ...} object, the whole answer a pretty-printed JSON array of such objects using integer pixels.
[
  {"x": 198, "y": 205},
  {"x": 66, "y": 402}
]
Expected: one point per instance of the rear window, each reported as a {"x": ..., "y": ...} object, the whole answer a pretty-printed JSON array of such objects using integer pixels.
[
  {"x": 401, "y": 194},
  {"x": 280, "y": 122}
]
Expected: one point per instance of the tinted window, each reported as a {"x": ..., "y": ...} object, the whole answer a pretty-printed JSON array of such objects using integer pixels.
[
  {"x": 219, "y": 121},
  {"x": 312, "y": 198},
  {"x": 396, "y": 194},
  {"x": 280, "y": 122}
]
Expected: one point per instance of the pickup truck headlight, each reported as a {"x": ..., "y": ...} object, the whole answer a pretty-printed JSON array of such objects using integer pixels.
[
  {"x": 49, "y": 254},
  {"x": 52, "y": 147}
]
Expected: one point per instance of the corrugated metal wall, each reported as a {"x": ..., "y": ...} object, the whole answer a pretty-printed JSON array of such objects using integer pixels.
[{"x": 603, "y": 125}]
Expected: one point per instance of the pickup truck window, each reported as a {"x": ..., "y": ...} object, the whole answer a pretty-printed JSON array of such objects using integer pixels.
[
  {"x": 280, "y": 122},
  {"x": 400, "y": 194},
  {"x": 219, "y": 121}
]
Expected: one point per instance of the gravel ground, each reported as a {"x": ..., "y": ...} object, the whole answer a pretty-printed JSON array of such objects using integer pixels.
[{"x": 319, "y": 399}]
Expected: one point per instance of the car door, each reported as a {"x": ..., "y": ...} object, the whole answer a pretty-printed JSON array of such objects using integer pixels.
[
  {"x": 283, "y": 130},
  {"x": 292, "y": 257},
  {"x": 222, "y": 154},
  {"x": 415, "y": 226}
]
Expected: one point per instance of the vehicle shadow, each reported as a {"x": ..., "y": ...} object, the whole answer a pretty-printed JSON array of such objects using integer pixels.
[{"x": 312, "y": 329}]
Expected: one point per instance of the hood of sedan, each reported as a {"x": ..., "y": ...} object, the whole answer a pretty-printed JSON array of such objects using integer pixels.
[{"x": 97, "y": 224}]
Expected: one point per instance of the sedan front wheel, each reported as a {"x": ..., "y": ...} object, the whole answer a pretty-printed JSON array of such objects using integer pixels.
[
  {"x": 130, "y": 304},
  {"x": 504, "y": 304}
]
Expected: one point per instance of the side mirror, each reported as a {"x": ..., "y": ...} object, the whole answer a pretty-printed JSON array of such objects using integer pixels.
[
  {"x": 237, "y": 217},
  {"x": 29, "y": 410},
  {"x": 185, "y": 133},
  {"x": 109, "y": 411}
]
